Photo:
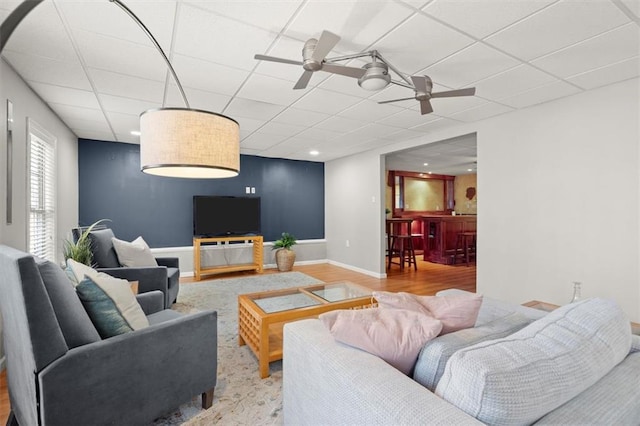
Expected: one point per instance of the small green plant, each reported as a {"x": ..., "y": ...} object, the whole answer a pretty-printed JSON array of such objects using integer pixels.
[
  {"x": 387, "y": 211},
  {"x": 286, "y": 241},
  {"x": 80, "y": 251}
]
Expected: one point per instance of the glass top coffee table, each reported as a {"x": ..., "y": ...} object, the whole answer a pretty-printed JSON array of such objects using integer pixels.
[{"x": 262, "y": 315}]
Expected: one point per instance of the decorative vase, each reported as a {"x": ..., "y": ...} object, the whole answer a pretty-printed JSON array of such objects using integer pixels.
[
  {"x": 577, "y": 292},
  {"x": 285, "y": 259}
]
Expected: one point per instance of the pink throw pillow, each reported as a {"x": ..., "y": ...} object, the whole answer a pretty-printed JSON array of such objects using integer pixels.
[
  {"x": 395, "y": 335},
  {"x": 456, "y": 311}
]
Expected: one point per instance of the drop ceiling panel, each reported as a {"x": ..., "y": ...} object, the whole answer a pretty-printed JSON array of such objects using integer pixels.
[
  {"x": 198, "y": 99},
  {"x": 326, "y": 101},
  {"x": 108, "y": 19},
  {"x": 341, "y": 124},
  {"x": 208, "y": 76},
  {"x": 68, "y": 112},
  {"x": 120, "y": 56},
  {"x": 403, "y": 119},
  {"x": 248, "y": 125},
  {"x": 481, "y": 18},
  {"x": 436, "y": 124},
  {"x": 610, "y": 74},
  {"x": 49, "y": 71},
  {"x": 370, "y": 111},
  {"x": 558, "y": 26},
  {"x": 95, "y": 135},
  {"x": 124, "y": 121},
  {"x": 540, "y": 95},
  {"x": 42, "y": 33},
  {"x": 515, "y": 80},
  {"x": 420, "y": 42},
  {"x": 300, "y": 117},
  {"x": 118, "y": 84},
  {"x": 358, "y": 23},
  {"x": 282, "y": 129},
  {"x": 610, "y": 47},
  {"x": 259, "y": 140},
  {"x": 213, "y": 38},
  {"x": 474, "y": 63},
  {"x": 125, "y": 105},
  {"x": 66, "y": 96},
  {"x": 317, "y": 134},
  {"x": 241, "y": 107},
  {"x": 481, "y": 112},
  {"x": 270, "y": 15},
  {"x": 269, "y": 89},
  {"x": 633, "y": 6}
]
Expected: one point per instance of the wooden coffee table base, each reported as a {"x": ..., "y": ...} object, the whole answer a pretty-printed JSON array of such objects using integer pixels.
[{"x": 262, "y": 331}]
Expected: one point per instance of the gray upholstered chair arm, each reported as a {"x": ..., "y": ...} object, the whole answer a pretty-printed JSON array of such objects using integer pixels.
[
  {"x": 169, "y": 262},
  {"x": 151, "y": 302},
  {"x": 128, "y": 379},
  {"x": 149, "y": 278}
]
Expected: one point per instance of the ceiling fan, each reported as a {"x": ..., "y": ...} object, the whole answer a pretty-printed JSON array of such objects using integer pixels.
[
  {"x": 372, "y": 76},
  {"x": 422, "y": 85},
  {"x": 314, "y": 59}
]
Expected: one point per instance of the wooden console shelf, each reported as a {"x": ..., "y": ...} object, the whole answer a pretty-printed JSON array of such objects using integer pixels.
[{"x": 257, "y": 265}]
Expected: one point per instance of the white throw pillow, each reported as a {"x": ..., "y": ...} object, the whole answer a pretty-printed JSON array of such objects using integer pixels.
[
  {"x": 520, "y": 378},
  {"x": 134, "y": 254},
  {"x": 109, "y": 301}
]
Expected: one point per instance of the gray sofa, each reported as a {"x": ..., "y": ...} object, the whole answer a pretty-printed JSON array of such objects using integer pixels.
[
  {"x": 60, "y": 372},
  {"x": 532, "y": 371}
]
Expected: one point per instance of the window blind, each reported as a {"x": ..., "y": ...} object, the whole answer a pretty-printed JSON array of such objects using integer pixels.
[{"x": 42, "y": 211}]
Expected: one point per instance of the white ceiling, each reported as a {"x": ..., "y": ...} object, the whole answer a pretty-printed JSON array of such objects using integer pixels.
[{"x": 98, "y": 71}]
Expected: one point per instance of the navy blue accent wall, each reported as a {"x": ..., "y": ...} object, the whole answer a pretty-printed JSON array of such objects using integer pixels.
[{"x": 161, "y": 209}]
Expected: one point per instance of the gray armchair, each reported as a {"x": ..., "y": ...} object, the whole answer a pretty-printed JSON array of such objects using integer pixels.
[
  {"x": 164, "y": 277},
  {"x": 60, "y": 372}
]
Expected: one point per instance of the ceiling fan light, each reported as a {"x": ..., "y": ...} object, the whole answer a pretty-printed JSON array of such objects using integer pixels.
[
  {"x": 376, "y": 78},
  {"x": 189, "y": 143}
]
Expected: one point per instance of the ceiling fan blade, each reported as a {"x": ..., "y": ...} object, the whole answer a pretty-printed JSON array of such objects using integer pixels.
[
  {"x": 397, "y": 100},
  {"x": 343, "y": 70},
  {"x": 274, "y": 59},
  {"x": 326, "y": 42},
  {"x": 303, "y": 80},
  {"x": 451, "y": 93},
  {"x": 425, "y": 107}
]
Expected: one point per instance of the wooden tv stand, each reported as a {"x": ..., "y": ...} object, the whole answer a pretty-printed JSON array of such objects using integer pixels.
[{"x": 257, "y": 265}]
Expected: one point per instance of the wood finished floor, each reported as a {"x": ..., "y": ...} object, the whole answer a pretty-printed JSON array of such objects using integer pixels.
[{"x": 428, "y": 279}]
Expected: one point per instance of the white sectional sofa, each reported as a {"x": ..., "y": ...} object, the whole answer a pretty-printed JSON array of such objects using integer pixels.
[{"x": 577, "y": 365}]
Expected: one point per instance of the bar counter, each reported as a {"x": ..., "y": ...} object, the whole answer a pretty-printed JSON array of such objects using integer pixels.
[{"x": 441, "y": 233}]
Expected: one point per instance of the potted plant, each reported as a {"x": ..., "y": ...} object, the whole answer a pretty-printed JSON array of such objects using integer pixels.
[
  {"x": 80, "y": 251},
  {"x": 284, "y": 255}
]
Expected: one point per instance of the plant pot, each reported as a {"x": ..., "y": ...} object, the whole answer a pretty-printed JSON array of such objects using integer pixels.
[{"x": 285, "y": 259}]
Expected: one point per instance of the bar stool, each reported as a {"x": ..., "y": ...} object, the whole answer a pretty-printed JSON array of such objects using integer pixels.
[
  {"x": 465, "y": 245},
  {"x": 402, "y": 245}
]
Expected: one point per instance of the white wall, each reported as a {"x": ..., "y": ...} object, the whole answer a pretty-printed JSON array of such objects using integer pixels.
[
  {"x": 26, "y": 104},
  {"x": 558, "y": 160},
  {"x": 354, "y": 212},
  {"x": 572, "y": 165}
]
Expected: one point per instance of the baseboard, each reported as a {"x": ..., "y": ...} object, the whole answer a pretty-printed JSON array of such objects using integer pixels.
[
  {"x": 188, "y": 274},
  {"x": 356, "y": 269}
]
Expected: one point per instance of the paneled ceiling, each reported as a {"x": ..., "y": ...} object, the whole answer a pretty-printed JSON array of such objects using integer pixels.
[{"x": 97, "y": 70}]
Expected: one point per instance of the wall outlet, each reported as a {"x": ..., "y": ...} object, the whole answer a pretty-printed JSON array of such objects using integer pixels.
[
  {"x": 253, "y": 190},
  {"x": 247, "y": 190},
  {"x": 346, "y": 243}
]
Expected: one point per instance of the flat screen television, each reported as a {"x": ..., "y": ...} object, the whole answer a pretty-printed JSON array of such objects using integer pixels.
[{"x": 216, "y": 216}]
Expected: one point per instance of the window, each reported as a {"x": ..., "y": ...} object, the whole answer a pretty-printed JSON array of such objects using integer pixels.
[{"x": 42, "y": 192}]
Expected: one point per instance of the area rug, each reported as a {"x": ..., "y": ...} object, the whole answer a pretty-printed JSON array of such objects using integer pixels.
[{"x": 240, "y": 397}]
